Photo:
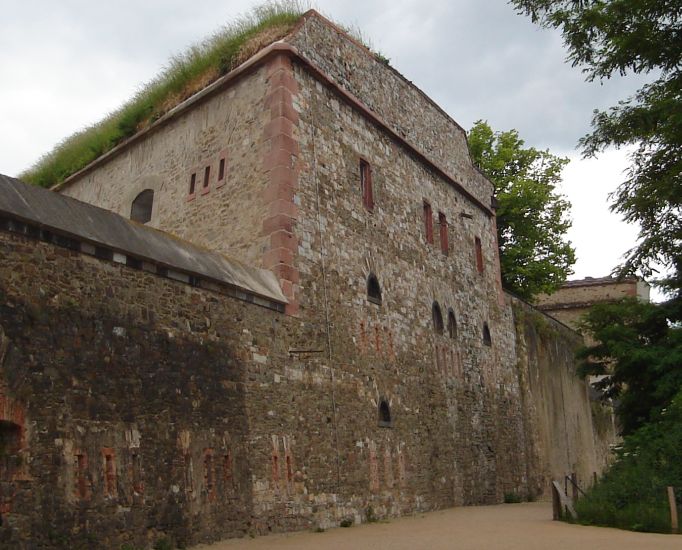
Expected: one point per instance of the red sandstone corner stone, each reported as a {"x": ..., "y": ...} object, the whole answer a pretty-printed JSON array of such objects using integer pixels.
[
  {"x": 288, "y": 272},
  {"x": 278, "y": 191},
  {"x": 278, "y": 222},
  {"x": 283, "y": 239},
  {"x": 281, "y": 141},
  {"x": 285, "y": 110},
  {"x": 278, "y": 157},
  {"x": 283, "y": 79},
  {"x": 280, "y": 62},
  {"x": 283, "y": 207},
  {"x": 279, "y": 95},
  {"x": 278, "y": 125},
  {"x": 278, "y": 256}
]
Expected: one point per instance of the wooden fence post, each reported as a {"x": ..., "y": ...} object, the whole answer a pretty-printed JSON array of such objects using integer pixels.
[
  {"x": 556, "y": 503},
  {"x": 673, "y": 510}
]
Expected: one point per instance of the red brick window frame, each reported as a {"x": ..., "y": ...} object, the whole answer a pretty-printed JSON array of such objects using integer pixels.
[
  {"x": 136, "y": 472},
  {"x": 222, "y": 168},
  {"x": 192, "y": 192},
  {"x": 81, "y": 480},
  {"x": 209, "y": 474},
  {"x": 206, "y": 182},
  {"x": 428, "y": 222},
  {"x": 366, "y": 185},
  {"x": 479, "y": 255},
  {"x": 109, "y": 471},
  {"x": 443, "y": 225},
  {"x": 228, "y": 471}
]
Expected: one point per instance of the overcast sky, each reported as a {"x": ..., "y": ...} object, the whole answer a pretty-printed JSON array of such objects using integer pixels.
[{"x": 65, "y": 64}]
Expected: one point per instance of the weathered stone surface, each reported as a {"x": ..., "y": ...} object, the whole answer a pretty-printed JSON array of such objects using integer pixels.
[{"x": 108, "y": 363}]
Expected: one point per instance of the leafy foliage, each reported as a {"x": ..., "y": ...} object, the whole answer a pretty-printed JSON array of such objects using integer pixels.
[
  {"x": 632, "y": 494},
  {"x": 640, "y": 352},
  {"x": 611, "y": 37},
  {"x": 531, "y": 216},
  {"x": 185, "y": 74}
]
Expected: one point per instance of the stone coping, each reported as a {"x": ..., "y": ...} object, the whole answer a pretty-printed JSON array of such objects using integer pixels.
[{"x": 68, "y": 222}]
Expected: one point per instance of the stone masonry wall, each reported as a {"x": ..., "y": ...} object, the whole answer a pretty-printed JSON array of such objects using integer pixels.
[
  {"x": 407, "y": 110},
  {"x": 128, "y": 390},
  {"x": 568, "y": 432},
  {"x": 455, "y": 400},
  {"x": 226, "y": 126}
]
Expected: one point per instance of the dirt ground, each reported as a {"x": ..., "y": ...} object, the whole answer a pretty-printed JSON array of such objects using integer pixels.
[{"x": 527, "y": 526}]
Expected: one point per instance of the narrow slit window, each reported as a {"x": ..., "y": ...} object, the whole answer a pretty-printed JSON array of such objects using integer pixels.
[
  {"x": 81, "y": 464},
  {"x": 479, "y": 255},
  {"x": 109, "y": 473},
  {"x": 366, "y": 185},
  {"x": 209, "y": 473},
  {"x": 207, "y": 176},
  {"x": 373, "y": 289},
  {"x": 290, "y": 470},
  {"x": 227, "y": 469},
  {"x": 452, "y": 324},
  {"x": 192, "y": 183},
  {"x": 141, "y": 209},
  {"x": 428, "y": 222},
  {"x": 384, "y": 414},
  {"x": 487, "y": 340},
  {"x": 437, "y": 318},
  {"x": 221, "y": 169},
  {"x": 443, "y": 224}
]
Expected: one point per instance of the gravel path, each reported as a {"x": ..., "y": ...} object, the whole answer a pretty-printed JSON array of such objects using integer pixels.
[{"x": 526, "y": 526}]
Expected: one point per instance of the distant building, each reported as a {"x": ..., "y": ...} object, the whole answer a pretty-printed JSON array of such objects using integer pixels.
[{"x": 574, "y": 298}]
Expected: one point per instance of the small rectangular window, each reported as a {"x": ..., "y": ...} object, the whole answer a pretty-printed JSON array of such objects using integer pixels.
[
  {"x": 443, "y": 223},
  {"x": 479, "y": 255},
  {"x": 428, "y": 222},
  {"x": 192, "y": 184},
  {"x": 109, "y": 472},
  {"x": 221, "y": 170},
  {"x": 81, "y": 476},
  {"x": 366, "y": 185},
  {"x": 207, "y": 174}
]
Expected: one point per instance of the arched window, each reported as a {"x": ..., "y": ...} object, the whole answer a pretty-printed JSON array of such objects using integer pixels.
[
  {"x": 141, "y": 210},
  {"x": 437, "y": 318},
  {"x": 452, "y": 324},
  {"x": 373, "y": 289},
  {"x": 384, "y": 414},
  {"x": 487, "y": 340}
]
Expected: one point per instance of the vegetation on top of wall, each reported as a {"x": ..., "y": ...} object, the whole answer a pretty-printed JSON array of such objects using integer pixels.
[{"x": 185, "y": 74}]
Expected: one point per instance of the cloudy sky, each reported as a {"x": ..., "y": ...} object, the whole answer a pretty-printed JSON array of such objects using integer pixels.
[{"x": 65, "y": 64}]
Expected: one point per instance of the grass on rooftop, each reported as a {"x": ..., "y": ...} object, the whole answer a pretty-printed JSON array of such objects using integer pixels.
[{"x": 185, "y": 74}]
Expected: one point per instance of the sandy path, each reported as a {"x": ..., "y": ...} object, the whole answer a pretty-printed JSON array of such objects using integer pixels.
[{"x": 525, "y": 526}]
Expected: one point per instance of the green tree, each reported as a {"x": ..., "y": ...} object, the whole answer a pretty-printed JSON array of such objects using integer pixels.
[
  {"x": 639, "y": 348},
  {"x": 616, "y": 37},
  {"x": 532, "y": 218}
]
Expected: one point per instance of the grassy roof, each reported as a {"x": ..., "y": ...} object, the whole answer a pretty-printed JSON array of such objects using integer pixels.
[{"x": 184, "y": 75}]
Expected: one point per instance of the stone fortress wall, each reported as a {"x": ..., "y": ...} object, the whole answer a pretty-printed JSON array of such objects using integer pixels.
[{"x": 202, "y": 416}]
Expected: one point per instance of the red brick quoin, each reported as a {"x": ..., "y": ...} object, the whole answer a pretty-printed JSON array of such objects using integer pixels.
[{"x": 280, "y": 164}]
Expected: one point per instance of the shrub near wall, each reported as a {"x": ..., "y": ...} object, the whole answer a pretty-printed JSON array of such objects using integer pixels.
[{"x": 632, "y": 494}]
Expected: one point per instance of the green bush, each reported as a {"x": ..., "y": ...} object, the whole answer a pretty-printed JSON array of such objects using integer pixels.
[
  {"x": 512, "y": 498},
  {"x": 632, "y": 494}
]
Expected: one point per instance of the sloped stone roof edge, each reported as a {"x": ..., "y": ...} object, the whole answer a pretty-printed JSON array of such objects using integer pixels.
[{"x": 71, "y": 217}]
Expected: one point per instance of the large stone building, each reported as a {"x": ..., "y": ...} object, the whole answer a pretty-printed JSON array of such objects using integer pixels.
[
  {"x": 304, "y": 325},
  {"x": 574, "y": 299}
]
